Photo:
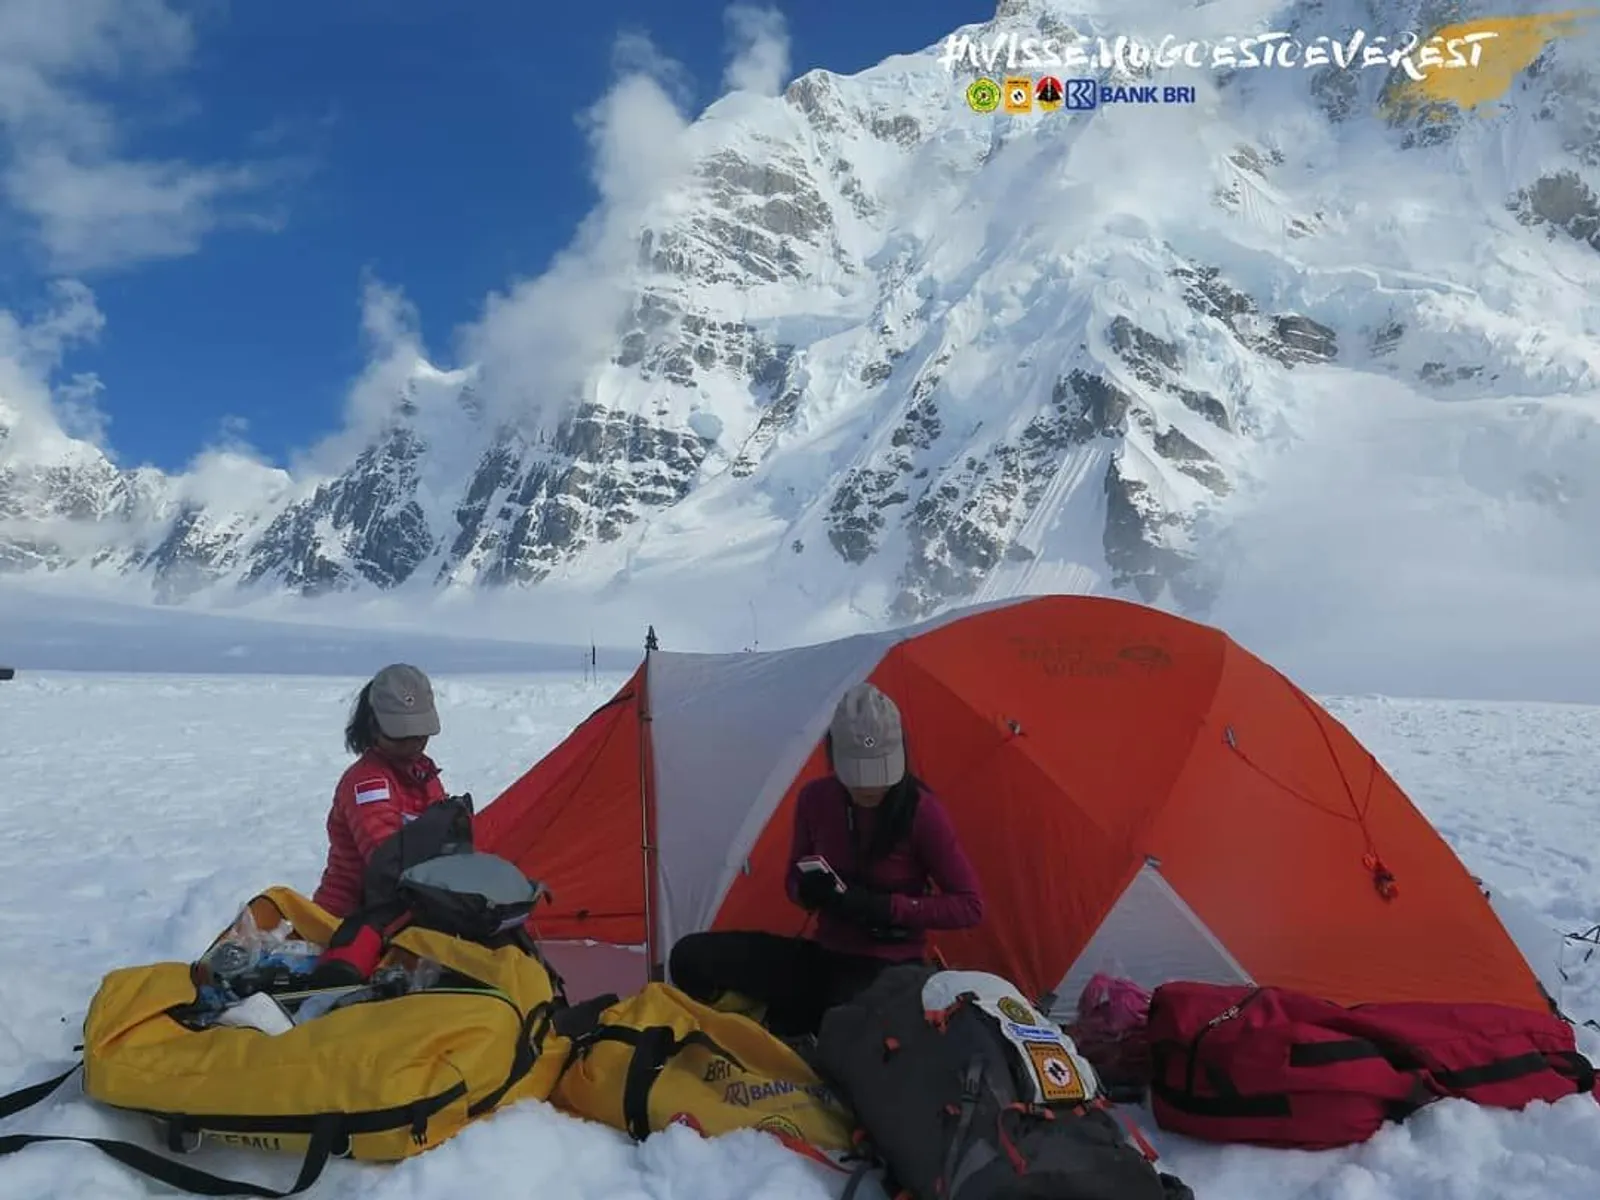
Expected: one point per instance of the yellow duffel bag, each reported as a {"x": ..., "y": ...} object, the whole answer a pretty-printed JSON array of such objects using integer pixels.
[
  {"x": 659, "y": 1058},
  {"x": 377, "y": 1080}
]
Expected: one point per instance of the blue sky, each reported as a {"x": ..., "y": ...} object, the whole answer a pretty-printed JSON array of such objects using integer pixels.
[{"x": 224, "y": 177}]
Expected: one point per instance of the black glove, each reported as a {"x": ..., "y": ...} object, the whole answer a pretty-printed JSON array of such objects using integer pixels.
[
  {"x": 862, "y": 907},
  {"x": 816, "y": 890}
]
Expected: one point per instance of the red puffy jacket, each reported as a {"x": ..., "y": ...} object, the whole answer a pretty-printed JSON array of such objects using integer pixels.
[{"x": 374, "y": 798}]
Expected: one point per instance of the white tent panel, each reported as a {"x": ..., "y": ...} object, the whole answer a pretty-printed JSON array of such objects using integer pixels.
[
  {"x": 729, "y": 733},
  {"x": 1542, "y": 945},
  {"x": 1151, "y": 937}
]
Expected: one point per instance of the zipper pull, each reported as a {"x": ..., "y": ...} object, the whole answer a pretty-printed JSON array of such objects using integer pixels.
[{"x": 1226, "y": 1014}]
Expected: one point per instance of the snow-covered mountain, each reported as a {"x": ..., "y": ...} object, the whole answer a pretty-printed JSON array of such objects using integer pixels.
[{"x": 882, "y": 353}]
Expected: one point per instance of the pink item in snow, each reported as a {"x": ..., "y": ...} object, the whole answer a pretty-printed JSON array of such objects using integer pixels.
[
  {"x": 1110, "y": 1033},
  {"x": 1112, "y": 1006}
]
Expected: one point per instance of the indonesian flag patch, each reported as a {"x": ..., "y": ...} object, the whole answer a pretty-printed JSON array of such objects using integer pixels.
[{"x": 369, "y": 791}]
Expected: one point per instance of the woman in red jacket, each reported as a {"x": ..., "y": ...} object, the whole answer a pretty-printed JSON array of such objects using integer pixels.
[
  {"x": 390, "y": 783},
  {"x": 884, "y": 838}
]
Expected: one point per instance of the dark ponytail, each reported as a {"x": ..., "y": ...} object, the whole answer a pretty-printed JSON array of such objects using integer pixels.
[
  {"x": 897, "y": 812},
  {"x": 361, "y": 731}
]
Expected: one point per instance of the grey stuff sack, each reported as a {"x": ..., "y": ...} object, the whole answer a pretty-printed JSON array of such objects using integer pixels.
[{"x": 472, "y": 895}]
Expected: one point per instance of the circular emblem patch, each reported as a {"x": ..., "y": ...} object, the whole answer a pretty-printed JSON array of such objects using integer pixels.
[
  {"x": 1017, "y": 1011},
  {"x": 983, "y": 95}
]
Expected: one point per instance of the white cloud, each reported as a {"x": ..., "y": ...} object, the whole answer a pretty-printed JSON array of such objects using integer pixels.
[
  {"x": 93, "y": 205},
  {"x": 31, "y": 352},
  {"x": 759, "y": 38},
  {"x": 536, "y": 342},
  {"x": 229, "y": 479},
  {"x": 112, "y": 213},
  {"x": 77, "y": 407},
  {"x": 388, "y": 320},
  {"x": 390, "y": 325}
]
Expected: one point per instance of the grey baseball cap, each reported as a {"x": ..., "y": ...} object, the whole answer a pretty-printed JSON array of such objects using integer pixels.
[
  {"x": 402, "y": 702},
  {"x": 869, "y": 748}
]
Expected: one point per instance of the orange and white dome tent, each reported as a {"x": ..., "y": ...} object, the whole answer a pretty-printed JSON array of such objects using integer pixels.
[{"x": 1136, "y": 791}]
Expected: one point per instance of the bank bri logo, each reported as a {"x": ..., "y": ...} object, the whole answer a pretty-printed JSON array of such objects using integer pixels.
[{"x": 1084, "y": 95}]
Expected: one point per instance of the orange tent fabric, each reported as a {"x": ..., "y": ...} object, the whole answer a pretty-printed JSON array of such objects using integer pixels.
[{"x": 1137, "y": 792}]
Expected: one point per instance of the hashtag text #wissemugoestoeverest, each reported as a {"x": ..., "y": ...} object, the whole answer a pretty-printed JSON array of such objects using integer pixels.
[{"x": 1411, "y": 54}]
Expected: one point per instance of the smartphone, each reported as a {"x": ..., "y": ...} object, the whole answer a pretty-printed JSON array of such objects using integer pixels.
[{"x": 815, "y": 865}]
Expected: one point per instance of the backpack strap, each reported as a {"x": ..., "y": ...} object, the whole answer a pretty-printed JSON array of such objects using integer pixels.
[
  {"x": 962, "y": 1158},
  {"x": 857, "y": 1178},
  {"x": 185, "y": 1178}
]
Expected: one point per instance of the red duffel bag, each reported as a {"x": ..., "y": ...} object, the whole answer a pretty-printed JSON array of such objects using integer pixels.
[{"x": 1271, "y": 1067}]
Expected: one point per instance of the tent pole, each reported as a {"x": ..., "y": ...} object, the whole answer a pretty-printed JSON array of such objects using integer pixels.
[{"x": 653, "y": 963}]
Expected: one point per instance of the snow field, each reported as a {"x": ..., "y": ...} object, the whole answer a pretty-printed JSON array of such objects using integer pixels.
[{"x": 142, "y": 809}]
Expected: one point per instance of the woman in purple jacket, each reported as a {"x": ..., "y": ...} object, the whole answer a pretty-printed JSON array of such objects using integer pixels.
[{"x": 882, "y": 838}]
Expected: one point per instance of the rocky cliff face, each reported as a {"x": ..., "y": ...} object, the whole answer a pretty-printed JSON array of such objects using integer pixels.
[{"x": 942, "y": 348}]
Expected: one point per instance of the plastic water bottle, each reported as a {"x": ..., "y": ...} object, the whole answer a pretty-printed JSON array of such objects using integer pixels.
[
  {"x": 232, "y": 958},
  {"x": 425, "y": 975},
  {"x": 297, "y": 957}
]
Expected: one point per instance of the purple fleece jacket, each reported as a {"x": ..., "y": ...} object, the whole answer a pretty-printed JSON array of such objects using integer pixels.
[{"x": 932, "y": 854}]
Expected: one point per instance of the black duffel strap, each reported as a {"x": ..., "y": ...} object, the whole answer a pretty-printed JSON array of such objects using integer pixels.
[
  {"x": 1569, "y": 1064},
  {"x": 1327, "y": 1054},
  {"x": 654, "y": 1046},
  {"x": 1579, "y": 1069},
  {"x": 325, "y": 1135},
  {"x": 1228, "y": 1103},
  {"x": 1499, "y": 1071},
  {"x": 1422, "y": 1095},
  {"x": 190, "y": 1179},
  {"x": 651, "y": 1051},
  {"x": 530, "y": 1040},
  {"x": 1267, "y": 1104},
  {"x": 27, "y": 1097},
  {"x": 579, "y": 1021}
]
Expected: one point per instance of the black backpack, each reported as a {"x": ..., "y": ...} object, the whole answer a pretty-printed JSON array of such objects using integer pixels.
[
  {"x": 443, "y": 828},
  {"x": 947, "y": 1107},
  {"x": 428, "y": 875}
]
